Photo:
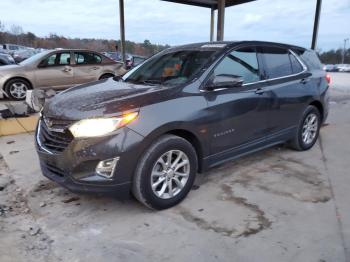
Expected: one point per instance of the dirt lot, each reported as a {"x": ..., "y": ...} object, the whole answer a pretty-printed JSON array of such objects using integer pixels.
[{"x": 275, "y": 205}]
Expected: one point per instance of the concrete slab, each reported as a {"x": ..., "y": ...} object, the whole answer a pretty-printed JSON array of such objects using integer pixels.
[{"x": 18, "y": 125}]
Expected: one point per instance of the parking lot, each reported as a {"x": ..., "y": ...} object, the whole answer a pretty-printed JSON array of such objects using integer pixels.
[{"x": 274, "y": 205}]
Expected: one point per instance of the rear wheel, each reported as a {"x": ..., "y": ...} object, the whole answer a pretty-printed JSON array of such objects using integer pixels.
[
  {"x": 17, "y": 88},
  {"x": 308, "y": 130},
  {"x": 165, "y": 172}
]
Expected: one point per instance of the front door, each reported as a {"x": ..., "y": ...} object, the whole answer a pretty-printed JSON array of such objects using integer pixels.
[
  {"x": 238, "y": 114},
  {"x": 55, "y": 71}
]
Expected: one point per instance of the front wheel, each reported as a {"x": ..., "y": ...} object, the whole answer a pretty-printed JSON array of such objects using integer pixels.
[
  {"x": 17, "y": 88},
  {"x": 165, "y": 172},
  {"x": 105, "y": 76},
  {"x": 308, "y": 130}
]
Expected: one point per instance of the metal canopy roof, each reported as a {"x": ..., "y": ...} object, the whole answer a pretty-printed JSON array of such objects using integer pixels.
[
  {"x": 220, "y": 5},
  {"x": 209, "y": 3}
]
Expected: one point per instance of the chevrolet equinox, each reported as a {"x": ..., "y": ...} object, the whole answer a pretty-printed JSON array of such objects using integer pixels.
[{"x": 182, "y": 111}]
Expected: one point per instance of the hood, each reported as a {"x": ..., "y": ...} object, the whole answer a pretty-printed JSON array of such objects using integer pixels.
[
  {"x": 9, "y": 68},
  {"x": 101, "y": 98}
]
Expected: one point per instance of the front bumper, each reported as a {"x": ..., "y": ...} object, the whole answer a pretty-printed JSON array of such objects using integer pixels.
[
  {"x": 2, "y": 91},
  {"x": 74, "y": 167}
]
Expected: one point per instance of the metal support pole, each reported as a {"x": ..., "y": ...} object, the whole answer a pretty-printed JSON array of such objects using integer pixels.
[
  {"x": 212, "y": 17},
  {"x": 122, "y": 30},
  {"x": 344, "y": 50},
  {"x": 221, "y": 20},
  {"x": 316, "y": 22}
]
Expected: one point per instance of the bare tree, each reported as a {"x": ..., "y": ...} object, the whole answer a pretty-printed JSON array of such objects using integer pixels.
[
  {"x": 16, "y": 30},
  {"x": 2, "y": 27}
]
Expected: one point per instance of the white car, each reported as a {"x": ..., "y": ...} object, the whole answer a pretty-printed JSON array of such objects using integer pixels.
[{"x": 343, "y": 68}]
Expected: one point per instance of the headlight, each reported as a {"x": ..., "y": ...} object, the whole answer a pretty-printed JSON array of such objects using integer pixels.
[{"x": 100, "y": 126}]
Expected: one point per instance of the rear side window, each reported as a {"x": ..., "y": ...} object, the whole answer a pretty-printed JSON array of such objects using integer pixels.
[
  {"x": 311, "y": 59},
  {"x": 85, "y": 58},
  {"x": 13, "y": 47},
  {"x": 241, "y": 63},
  {"x": 277, "y": 62},
  {"x": 296, "y": 66}
]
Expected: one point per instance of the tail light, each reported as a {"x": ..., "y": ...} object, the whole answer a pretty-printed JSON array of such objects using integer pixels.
[{"x": 328, "y": 78}]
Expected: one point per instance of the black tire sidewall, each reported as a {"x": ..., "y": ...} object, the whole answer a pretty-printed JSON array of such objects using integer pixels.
[
  {"x": 8, "y": 86},
  {"x": 308, "y": 111},
  {"x": 172, "y": 144},
  {"x": 106, "y": 76}
]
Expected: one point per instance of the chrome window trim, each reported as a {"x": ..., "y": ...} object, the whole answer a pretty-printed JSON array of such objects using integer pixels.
[
  {"x": 271, "y": 79},
  {"x": 299, "y": 60}
]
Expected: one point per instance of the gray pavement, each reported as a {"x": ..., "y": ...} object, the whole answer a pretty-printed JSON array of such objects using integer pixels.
[{"x": 274, "y": 205}]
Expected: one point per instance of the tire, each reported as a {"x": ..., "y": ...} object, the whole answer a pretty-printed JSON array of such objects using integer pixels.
[
  {"x": 150, "y": 166},
  {"x": 105, "y": 76},
  {"x": 16, "y": 88},
  {"x": 300, "y": 141}
]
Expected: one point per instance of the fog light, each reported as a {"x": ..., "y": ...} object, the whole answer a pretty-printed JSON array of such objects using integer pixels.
[{"x": 106, "y": 167}]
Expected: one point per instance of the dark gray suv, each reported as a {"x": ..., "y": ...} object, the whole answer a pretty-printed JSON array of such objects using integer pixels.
[{"x": 182, "y": 111}]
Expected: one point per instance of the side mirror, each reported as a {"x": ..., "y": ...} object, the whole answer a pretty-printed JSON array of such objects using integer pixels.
[{"x": 225, "y": 81}]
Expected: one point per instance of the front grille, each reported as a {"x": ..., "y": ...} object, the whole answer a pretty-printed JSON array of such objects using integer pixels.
[
  {"x": 54, "y": 170},
  {"x": 58, "y": 123},
  {"x": 54, "y": 141}
]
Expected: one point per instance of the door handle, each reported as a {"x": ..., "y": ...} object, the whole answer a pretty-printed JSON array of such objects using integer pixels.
[
  {"x": 95, "y": 68},
  {"x": 304, "y": 80},
  {"x": 259, "y": 91},
  {"x": 67, "y": 69}
]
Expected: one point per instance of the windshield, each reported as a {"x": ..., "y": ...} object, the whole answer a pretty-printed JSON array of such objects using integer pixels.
[
  {"x": 34, "y": 58},
  {"x": 173, "y": 68}
]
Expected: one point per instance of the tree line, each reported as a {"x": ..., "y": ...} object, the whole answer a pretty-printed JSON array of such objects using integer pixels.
[
  {"x": 334, "y": 56},
  {"x": 16, "y": 35}
]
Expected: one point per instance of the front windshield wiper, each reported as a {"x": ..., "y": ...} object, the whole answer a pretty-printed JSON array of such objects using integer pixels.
[
  {"x": 152, "y": 82},
  {"x": 145, "y": 82}
]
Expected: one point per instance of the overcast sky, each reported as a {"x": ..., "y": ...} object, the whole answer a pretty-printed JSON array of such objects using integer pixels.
[{"x": 169, "y": 23}]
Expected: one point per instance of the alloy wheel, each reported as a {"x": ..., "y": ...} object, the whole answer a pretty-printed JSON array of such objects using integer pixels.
[
  {"x": 310, "y": 128},
  {"x": 18, "y": 90},
  {"x": 170, "y": 174}
]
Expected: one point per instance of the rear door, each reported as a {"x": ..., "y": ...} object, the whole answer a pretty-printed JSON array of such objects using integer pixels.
[
  {"x": 87, "y": 68},
  {"x": 287, "y": 86},
  {"x": 55, "y": 71},
  {"x": 238, "y": 114}
]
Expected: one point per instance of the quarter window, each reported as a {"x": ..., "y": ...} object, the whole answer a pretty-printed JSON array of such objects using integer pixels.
[
  {"x": 241, "y": 63},
  {"x": 85, "y": 58},
  {"x": 296, "y": 66},
  {"x": 311, "y": 59},
  {"x": 277, "y": 62}
]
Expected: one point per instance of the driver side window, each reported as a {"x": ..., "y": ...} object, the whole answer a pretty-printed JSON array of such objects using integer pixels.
[
  {"x": 57, "y": 59},
  {"x": 51, "y": 60},
  {"x": 241, "y": 63}
]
